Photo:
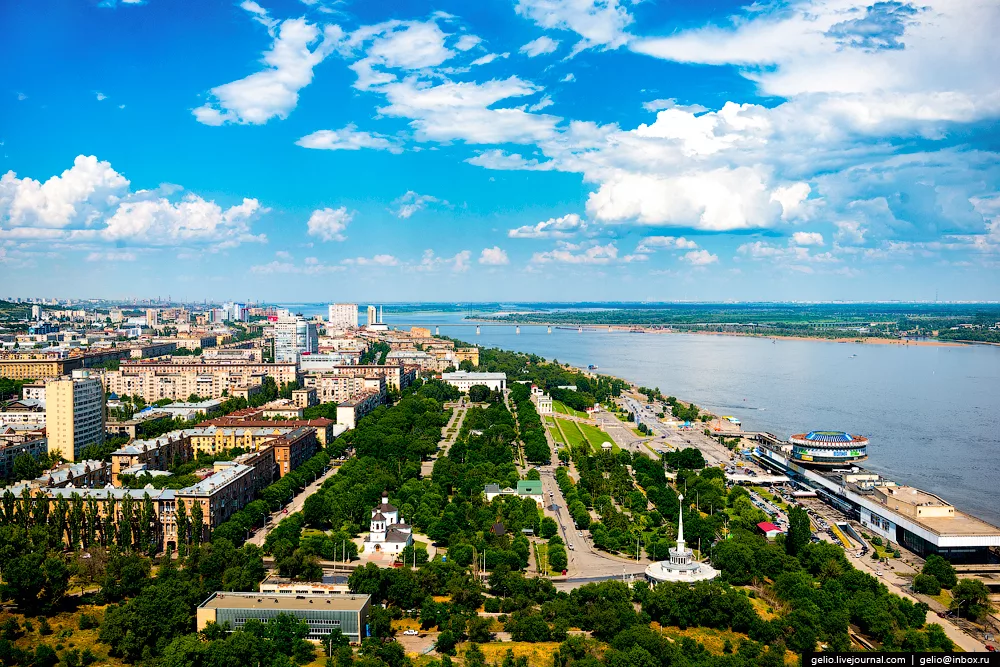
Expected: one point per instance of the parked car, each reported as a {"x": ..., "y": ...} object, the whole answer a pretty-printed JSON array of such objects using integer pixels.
[{"x": 411, "y": 633}]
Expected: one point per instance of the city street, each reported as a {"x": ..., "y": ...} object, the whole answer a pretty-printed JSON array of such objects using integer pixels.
[{"x": 291, "y": 508}]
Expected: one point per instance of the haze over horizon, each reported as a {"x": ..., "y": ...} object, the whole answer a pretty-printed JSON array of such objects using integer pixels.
[{"x": 513, "y": 150}]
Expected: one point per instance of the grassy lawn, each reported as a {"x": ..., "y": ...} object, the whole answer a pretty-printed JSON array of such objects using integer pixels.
[
  {"x": 564, "y": 409},
  {"x": 596, "y": 437},
  {"x": 572, "y": 432},
  {"x": 550, "y": 424},
  {"x": 541, "y": 557},
  {"x": 715, "y": 640},
  {"x": 944, "y": 598},
  {"x": 539, "y": 654}
]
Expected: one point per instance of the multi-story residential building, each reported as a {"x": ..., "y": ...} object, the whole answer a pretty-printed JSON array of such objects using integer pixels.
[
  {"x": 10, "y": 448},
  {"x": 153, "y": 350},
  {"x": 372, "y": 315},
  {"x": 152, "y": 317},
  {"x": 74, "y": 414},
  {"x": 326, "y": 361},
  {"x": 326, "y": 429},
  {"x": 305, "y": 398},
  {"x": 156, "y": 454},
  {"x": 343, "y": 316},
  {"x": 177, "y": 380},
  {"x": 51, "y": 364},
  {"x": 131, "y": 427},
  {"x": 333, "y": 388},
  {"x": 231, "y": 486},
  {"x": 24, "y": 411},
  {"x": 244, "y": 354},
  {"x": 293, "y": 448},
  {"x": 192, "y": 342},
  {"x": 294, "y": 337},
  {"x": 34, "y": 391},
  {"x": 350, "y": 412},
  {"x": 82, "y": 474},
  {"x": 397, "y": 376}
]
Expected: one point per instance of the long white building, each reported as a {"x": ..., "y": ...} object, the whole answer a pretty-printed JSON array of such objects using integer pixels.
[{"x": 464, "y": 380}]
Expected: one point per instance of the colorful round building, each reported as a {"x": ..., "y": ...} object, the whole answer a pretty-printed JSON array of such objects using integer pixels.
[{"x": 828, "y": 449}]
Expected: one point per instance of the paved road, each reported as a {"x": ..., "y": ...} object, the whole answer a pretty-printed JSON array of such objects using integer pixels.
[
  {"x": 457, "y": 417},
  {"x": 294, "y": 506}
]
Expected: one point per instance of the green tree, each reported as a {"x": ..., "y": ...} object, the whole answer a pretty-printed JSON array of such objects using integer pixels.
[
  {"x": 197, "y": 523},
  {"x": 926, "y": 584},
  {"x": 941, "y": 570},
  {"x": 971, "y": 597},
  {"x": 474, "y": 657},
  {"x": 799, "y": 532},
  {"x": 549, "y": 527},
  {"x": 26, "y": 467}
]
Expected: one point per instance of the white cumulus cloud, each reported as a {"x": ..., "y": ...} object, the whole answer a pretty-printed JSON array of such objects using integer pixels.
[
  {"x": 599, "y": 23},
  {"x": 329, "y": 224},
  {"x": 495, "y": 256},
  {"x": 540, "y": 46},
  {"x": 561, "y": 227},
  {"x": 807, "y": 238},
  {"x": 349, "y": 138},
  {"x": 297, "y": 47}
]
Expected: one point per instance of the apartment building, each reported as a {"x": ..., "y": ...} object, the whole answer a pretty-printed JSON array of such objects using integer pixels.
[
  {"x": 349, "y": 413},
  {"x": 74, "y": 414},
  {"x": 293, "y": 448},
  {"x": 397, "y": 376},
  {"x": 333, "y": 388},
  {"x": 305, "y": 398},
  {"x": 326, "y": 429},
  {"x": 156, "y": 454},
  {"x": 177, "y": 380},
  {"x": 10, "y": 448},
  {"x": 343, "y": 316}
]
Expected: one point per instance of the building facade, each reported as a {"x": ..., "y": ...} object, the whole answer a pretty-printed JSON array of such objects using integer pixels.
[
  {"x": 343, "y": 316},
  {"x": 294, "y": 337},
  {"x": 464, "y": 380},
  {"x": 347, "y": 613},
  {"x": 74, "y": 414}
]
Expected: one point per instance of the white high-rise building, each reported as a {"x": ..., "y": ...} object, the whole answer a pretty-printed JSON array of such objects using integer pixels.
[
  {"x": 36, "y": 313},
  {"x": 343, "y": 315},
  {"x": 294, "y": 336},
  {"x": 372, "y": 315}
]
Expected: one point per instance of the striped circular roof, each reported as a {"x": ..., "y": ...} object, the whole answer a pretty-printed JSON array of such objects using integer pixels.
[{"x": 829, "y": 438}]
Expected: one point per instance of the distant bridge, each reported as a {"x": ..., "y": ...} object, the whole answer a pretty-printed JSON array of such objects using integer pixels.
[{"x": 579, "y": 328}]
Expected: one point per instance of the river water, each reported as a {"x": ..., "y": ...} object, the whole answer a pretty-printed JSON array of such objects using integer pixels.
[{"x": 932, "y": 413}]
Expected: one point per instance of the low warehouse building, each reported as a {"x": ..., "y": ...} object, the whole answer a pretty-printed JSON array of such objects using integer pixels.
[{"x": 347, "y": 613}]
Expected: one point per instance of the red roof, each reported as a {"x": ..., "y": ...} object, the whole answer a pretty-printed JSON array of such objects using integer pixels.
[{"x": 768, "y": 527}]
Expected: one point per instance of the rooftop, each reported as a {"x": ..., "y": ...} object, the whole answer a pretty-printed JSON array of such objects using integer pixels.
[{"x": 345, "y": 602}]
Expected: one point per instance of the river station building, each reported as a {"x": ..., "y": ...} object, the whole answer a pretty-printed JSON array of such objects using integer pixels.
[{"x": 828, "y": 449}]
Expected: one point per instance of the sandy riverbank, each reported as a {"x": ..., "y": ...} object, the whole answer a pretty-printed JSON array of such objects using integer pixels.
[{"x": 922, "y": 342}]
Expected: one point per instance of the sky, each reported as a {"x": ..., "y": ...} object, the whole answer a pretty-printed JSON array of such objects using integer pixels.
[{"x": 529, "y": 150}]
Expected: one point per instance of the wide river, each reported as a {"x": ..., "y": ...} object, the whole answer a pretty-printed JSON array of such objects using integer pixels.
[{"x": 932, "y": 413}]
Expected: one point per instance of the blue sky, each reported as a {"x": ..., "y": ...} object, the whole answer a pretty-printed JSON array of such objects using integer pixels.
[{"x": 500, "y": 150}]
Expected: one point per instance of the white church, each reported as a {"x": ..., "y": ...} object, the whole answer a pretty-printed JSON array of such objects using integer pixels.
[{"x": 389, "y": 532}]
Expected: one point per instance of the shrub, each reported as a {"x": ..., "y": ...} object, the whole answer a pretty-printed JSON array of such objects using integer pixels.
[{"x": 926, "y": 584}]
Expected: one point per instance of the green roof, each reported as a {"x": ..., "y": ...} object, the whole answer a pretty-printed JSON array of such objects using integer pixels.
[{"x": 529, "y": 487}]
